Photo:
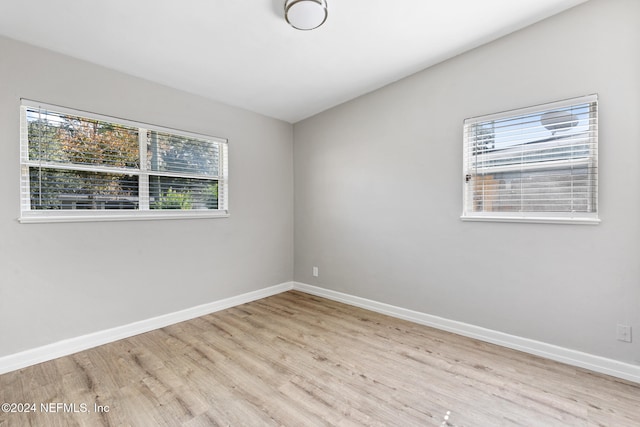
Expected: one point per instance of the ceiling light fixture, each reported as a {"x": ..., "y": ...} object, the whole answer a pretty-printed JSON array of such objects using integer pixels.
[{"x": 305, "y": 14}]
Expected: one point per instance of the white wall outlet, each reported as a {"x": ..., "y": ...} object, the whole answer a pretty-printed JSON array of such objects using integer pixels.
[
  {"x": 315, "y": 271},
  {"x": 623, "y": 333}
]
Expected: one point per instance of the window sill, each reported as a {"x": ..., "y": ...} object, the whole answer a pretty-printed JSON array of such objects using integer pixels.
[
  {"x": 118, "y": 216},
  {"x": 530, "y": 219}
]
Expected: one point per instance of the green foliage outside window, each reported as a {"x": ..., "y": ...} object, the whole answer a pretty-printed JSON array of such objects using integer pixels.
[{"x": 173, "y": 199}]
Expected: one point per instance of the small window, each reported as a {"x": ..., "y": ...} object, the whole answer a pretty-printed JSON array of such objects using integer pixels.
[
  {"x": 79, "y": 166},
  {"x": 537, "y": 164}
]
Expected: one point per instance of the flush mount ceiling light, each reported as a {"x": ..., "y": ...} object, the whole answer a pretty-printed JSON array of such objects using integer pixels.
[{"x": 305, "y": 14}]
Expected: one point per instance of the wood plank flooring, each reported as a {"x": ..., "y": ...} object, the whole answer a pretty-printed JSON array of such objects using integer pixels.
[{"x": 299, "y": 360}]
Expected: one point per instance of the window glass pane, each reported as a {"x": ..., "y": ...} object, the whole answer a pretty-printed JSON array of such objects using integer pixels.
[
  {"x": 540, "y": 126},
  {"x": 182, "y": 193},
  {"x": 178, "y": 154},
  {"x": 552, "y": 135},
  {"x": 62, "y": 138},
  {"x": 560, "y": 190},
  {"x": 68, "y": 189}
]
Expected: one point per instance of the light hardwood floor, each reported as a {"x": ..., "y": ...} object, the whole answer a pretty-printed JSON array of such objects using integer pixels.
[{"x": 299, "y": 360}]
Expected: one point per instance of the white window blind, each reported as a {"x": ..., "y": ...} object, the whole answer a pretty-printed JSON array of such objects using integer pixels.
[
  {"x": 83, "y": 166},
  {"x": 533, "y": 164}
]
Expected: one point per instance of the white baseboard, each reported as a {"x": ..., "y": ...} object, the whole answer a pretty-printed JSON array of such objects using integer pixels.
[
  {"x": 73, "y": 345},
  {"x": 52, "y": 351},
  {"x": 560, "y": 354}
]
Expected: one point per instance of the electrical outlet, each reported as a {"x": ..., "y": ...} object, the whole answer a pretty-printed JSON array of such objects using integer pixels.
[
  {"x": 623, "y": 333},
  {"x": 315, "y": 271}
]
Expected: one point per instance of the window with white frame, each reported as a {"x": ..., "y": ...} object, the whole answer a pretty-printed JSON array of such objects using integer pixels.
[
  {"x": 79, "y": 166},
  {"x": 536, "y": 164}
]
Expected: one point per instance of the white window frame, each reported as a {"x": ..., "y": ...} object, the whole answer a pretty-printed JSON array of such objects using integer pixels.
[
  {"x": 29, "y": 215},
  {"x": 468, "y": 213}
]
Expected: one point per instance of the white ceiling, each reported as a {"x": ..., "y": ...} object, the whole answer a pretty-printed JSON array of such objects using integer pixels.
[{"x": 243, "y": 53}]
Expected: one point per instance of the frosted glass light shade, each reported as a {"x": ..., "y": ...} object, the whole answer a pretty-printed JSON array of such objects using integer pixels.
[{"x": 305, "y": 14}]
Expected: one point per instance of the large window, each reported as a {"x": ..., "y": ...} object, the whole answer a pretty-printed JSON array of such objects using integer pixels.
[
  {"x": 537, "y": 164},
  {"x": 80, "y": 166}
]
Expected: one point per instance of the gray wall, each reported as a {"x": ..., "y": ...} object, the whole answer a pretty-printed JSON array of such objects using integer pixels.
[
  {"x": 63, "y": 280},
  {"x": 378, "y": 190}
]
